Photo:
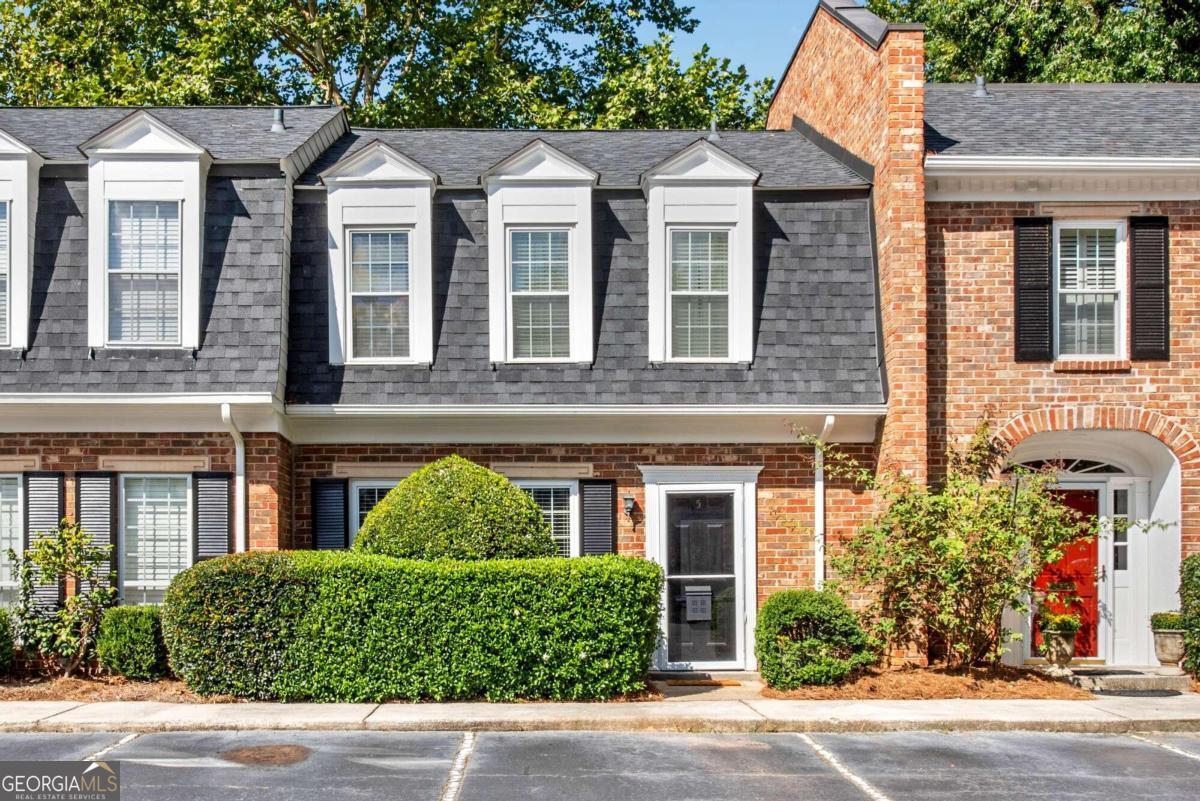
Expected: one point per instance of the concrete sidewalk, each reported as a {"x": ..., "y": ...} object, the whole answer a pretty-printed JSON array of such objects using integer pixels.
[{"x": 1101, "y": 714}]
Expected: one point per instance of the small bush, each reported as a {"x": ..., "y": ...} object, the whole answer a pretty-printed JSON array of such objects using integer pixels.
[
  {"x": 1067, "y": 623},
  {"x": 332, "y": 626},
  {"x": 130, "y": 642},
  {"x": 6, "y": 642},
  {"x": 1166, "y": 621},
  {"x": 809, "y": 637},
  {"x": 455, "y": 509},
  {"x": 1189, "y": 597}
]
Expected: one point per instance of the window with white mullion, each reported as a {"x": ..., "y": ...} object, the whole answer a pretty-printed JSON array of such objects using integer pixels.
[
  {"x": 11, "y": 535},
  {"x": 558, "y": 501},
  {"x": 5, "y": 291},
  {"x": 539, "y": 294},
  {"x": 364, "y": 496},
  {"x": 1089, "y": 289},
  {"x": 155, "y": 535},
  {"x": 699, "y": 294},
  {"x": 143, "y": 272},
  {"x": 380, "y": 307}
]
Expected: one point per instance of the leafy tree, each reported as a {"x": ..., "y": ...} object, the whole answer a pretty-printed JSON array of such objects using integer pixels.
[
  {"x": 507, "y": 63},
  {"x": 942, "y": 563},
  {"x": 1055, "y": 40}
]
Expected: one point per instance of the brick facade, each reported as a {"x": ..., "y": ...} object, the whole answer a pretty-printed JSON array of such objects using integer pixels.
[
  {"x": 784, "y": 503},
  {"x": 269, "y": 492},
  {"x": 871, "y": 102}
]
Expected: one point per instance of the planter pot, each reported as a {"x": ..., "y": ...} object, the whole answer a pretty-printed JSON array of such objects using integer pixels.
[
  {"x": 1168, "y": 647},
  {"x": 1059, "y": 647}
]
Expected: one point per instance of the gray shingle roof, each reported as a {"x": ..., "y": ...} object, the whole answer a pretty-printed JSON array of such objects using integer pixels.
[
  {"x": 227, "y": 132},
  {"x": 1064, "y": 120},
  {"x": 460, "y": 156}
]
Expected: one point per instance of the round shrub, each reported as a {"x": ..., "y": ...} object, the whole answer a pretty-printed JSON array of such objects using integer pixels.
[
  {"x": 130, "y": 642},
  {"x": 6, "y": 642},
  {"x": 455, "y": 509},
  {"x": 227, "y": 622},
  {"x": 809, "y": 637}
]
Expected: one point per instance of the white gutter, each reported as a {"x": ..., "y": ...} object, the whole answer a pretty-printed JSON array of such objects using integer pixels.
[
  {"x": 949, "y": 165},
  {"x": 819, "y": 505},
  {"x": 135, "y": 398},
  {"x": 562, "y": 410},
  {"x": 239, "y": 478}
]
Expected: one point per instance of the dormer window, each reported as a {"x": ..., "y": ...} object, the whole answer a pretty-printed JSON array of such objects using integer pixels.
[
  {"x": 540, "y": 257},
  {"x": 19, "y": 168},
  {"x": 380, "y": 207},
  {"x": 146, "y": 187},
  {"x": 700, "y": 208}
]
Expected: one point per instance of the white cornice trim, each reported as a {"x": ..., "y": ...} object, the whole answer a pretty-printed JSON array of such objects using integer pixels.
[
  {"x": 564, "y": 410},
  {"x": 938, "y": 166},
  {"x": 675, "y": 474},
  {"x": 138, "y": 399}
]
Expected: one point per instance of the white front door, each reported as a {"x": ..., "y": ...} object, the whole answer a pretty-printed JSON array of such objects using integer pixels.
[{"x": 702, "y": 534}]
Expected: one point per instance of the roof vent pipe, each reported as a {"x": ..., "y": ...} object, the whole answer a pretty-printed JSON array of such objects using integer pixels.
[
  {"x": 277, "y": 124},
  {"x": 981, "y": 87},
  {"x": 713, "y": 136}
]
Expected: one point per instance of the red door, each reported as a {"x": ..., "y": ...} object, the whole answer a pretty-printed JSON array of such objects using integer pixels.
[{"x": 1075, "y": 575}]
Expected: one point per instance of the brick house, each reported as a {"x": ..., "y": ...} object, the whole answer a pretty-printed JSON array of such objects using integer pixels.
[{"x": 232, "y": 328}]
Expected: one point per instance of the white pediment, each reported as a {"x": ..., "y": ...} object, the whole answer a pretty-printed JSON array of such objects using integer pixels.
[
  {"x": 141, "y": 133},
  {"x": 378, "y": 163},
  {"x": 702, "y": 161},
  {"x": 538, "y": 161},
  {"x": 12, "y": 146}
]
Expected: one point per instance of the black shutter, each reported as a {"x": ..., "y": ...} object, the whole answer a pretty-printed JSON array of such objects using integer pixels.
[
  {"x": 1149, "y": 275},
  {"x": 96, "y": 510},
  {"x": 213, "y": 503},
  {"x": 1033, "y": 289},
  {"x": 598, "y": 502},
  {"x": 331, "y": 504},
  {"x": 43, "y": 512}
]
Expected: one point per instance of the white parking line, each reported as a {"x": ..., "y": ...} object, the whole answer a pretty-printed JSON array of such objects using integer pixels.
[
  {"x": 1167, "y": 747},
  {"x": 459, "y": 768},
  {"x": 127, "y": 738},
  {"x": 868, "y": 789}
]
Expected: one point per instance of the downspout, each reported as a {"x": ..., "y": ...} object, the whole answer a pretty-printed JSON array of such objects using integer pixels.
[
  {"x": 239, "y": 479},
  {"x": 819, "y": 504}
]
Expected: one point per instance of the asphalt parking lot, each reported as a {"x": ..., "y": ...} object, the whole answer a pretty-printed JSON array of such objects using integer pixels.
[{"x": 587, "y": 766}]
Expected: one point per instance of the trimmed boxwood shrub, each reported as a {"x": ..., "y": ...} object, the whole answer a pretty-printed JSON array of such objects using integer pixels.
[
  {"x": 6, "y": 642},
  {"x": 355, "y": 627},
  {"x": 1189, "y": 597},
  {"x": 456, "y": 509},
  {"x": 130, "y": 642},
  {"x": 809, "y": 637}
]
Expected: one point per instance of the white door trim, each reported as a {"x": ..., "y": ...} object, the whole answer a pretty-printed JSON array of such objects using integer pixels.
[{"x": 743, "y": 483}]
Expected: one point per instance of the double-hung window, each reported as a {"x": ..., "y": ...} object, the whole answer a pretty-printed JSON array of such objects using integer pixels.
[
  {"x": 380, "y": 299},
  {"x": 156, "y": 539},
  {"x": 539, "y": 294},
  {"x": 11, "y": 535},
  {"x": 364, "y": 495},
  {"x": 5, "y": 284},
  {"x": 699, "y": 294},
  {"x": 143, "y": 272},
  {"x": 1090, "y": 289},
  {"x": 559, "y": 502}
]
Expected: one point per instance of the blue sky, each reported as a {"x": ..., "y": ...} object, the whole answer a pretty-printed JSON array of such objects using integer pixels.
[{"x": 758, "y": 33}]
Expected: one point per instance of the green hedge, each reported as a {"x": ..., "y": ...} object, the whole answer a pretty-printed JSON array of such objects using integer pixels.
[
  {"x": 809, "y": 637},
  {"x": 337, "y": 626},
  {"x": 456, "y": 509},
  {"x": 6, "y": 641},
  {"x": 130, "y": 642},
  {"x": 1189, "y": 596}
]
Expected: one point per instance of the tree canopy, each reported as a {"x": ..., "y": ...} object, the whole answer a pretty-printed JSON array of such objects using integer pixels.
[
  {"x": 1055, "y": 41},
  {"x": 485, "y": 63}
]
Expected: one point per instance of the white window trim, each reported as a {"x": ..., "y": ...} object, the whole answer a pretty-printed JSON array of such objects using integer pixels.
[
  {"x": 1121, "y": 251},
  {"x": 365, "y": 483},
  {"x": 134, "y": 343},
  {"x": 352, "y": 358},
  {"x": 576, "y": 535},
  {"x": 20, "y": 167},
  {"x": 508, "y": 299},
  {"x": 13, "y": 585},
  {"x": 731, "y": 230},
  {"x": 379, "y": 188},
  {"x": 191, "y": 531},
  {"x": 7, "y": 271}
]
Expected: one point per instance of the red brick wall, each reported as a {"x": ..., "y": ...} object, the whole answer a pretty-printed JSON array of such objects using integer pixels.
[
  {"x": 971, "y": 368},
  {"x": 269, "y": 491},
  {"x": 785, "y": 490},
  {"x": 871, "y": 102}
]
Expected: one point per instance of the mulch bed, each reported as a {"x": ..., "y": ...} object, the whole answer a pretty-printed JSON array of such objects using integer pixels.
[
  {"x": 933, "y": 683},
  {"x": 101, "y": 688}
]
